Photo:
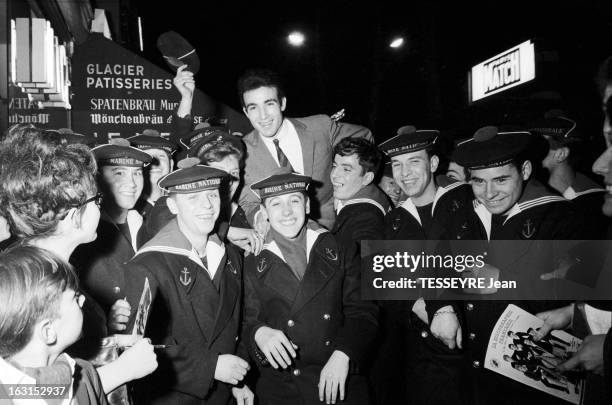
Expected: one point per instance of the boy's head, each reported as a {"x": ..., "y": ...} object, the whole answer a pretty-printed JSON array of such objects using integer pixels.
[
  {"x": 356, "y": 163},
  {"x": 160, "y": 150},
  {"x": 120, "y": 173},
  {"x": 413, "y": 162},
  {"x": 216, "y": 147},
  {"x": 497, "y": 167},
  {"x": 41, "y": 304},
  {"x": 42, "y": 181},
  {"x": 194, "y": 196},
  {"x": 562, "y": 138},
  {"x": 388, "y": 185},
  {"x": 283, "y": 197}
]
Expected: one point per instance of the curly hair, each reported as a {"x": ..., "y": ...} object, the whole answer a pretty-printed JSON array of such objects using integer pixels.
[
  {"x": 40, "y": 180},
  {"x": 32, "y": 281},
  {"x": 368, "y": 155}
]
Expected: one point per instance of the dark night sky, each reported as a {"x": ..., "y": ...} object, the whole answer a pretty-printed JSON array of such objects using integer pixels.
[{"x": 346, "y": 61}]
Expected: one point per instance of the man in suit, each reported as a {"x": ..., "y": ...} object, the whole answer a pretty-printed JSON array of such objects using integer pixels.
[
  {"x": 304, "y": 145},
  {"x": 305, "y": 321}
]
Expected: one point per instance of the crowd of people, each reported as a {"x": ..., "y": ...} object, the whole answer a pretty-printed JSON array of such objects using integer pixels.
[{"x": 211, "y": 266}]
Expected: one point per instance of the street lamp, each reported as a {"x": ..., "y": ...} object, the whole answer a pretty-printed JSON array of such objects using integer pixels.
[
  {"x": 296, "y": 39},
  {"x": 397, "y": 43}
]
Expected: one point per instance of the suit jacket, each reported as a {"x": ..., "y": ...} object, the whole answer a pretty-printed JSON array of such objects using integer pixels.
[
  {"x": 198, "y": 317},
  {"x": 321, "y": 313},
  {"x": 318, "y": 134}
]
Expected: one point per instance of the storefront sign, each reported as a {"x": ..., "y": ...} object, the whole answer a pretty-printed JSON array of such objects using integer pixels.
[
  {"x": 502, "y": 72},
  {"x": 117, "y": 93}
]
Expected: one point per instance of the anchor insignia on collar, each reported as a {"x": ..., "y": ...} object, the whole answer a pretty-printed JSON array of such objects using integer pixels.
[
  {"x": 231, "y": 266},
  {"x": 528, "y": 229},
  {"x": 331, "y": 254},
  {"x": 185, "y": 277},
  {"x": 262, "y": 265}
]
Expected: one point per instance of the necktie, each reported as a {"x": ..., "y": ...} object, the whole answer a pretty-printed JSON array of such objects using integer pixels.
[{"x": 282, "y": 158}]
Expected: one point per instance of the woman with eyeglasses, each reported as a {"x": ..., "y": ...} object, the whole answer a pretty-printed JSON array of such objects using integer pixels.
[{"x": 49, "y": 198}]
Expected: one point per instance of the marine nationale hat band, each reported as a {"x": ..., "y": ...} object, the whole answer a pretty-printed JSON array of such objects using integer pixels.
[
  {"x": 492, "y": 164},
  {"x": 203, "y": 134},
  {"x": 145, "y": 146},
  {"x": 412, "y": 147},
  {"x": 199, "y": 185},
  {"x": 119, "y": 161},
  {"x": 207, "y": 146},
  {"x": 282, "y": 189}
]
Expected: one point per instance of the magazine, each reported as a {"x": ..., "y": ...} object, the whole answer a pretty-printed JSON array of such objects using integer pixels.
[
  {"x": 140, "y": 322},
  {"x": 513, "y": 352}
]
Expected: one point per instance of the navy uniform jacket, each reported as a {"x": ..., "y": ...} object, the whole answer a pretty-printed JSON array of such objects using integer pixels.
[
  {"x": 403, "y": 222},
  {"x": 321, "y": 313},
  {"x": 198, "y": 317},
  {"x": 412, "y": 364},
  {"x": 360, "y": 218},
  {"x": 452, "y": 200},
  {"x": 587, "y": 197},
  {"x": 538, "y": 215},
  {"x": 100, "y": 262}
]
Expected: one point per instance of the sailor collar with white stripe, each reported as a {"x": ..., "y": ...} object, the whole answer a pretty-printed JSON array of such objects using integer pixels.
[
  {"x": 367, "y": 195},
  {"x": 171, "y": 240},
  {"x": 580, "y": 186},
  {"x": 312, "y": 234},
  {"x": 409, "y": 206},
  {"x": 535, "y": 195}
]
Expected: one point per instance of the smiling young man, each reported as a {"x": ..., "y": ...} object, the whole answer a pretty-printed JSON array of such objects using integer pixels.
[
  {"x": 305, "y": 322},
  {"x": 408, "y": 346},
  {"x": 196, "y": 289},
  {"x": 414, "y": 164},
  {"x": 161, "y": 151},
  {"x": 120, "y": 179},
  {"x": 304, "y": 145},
  {"x": 360, "y": 205},
  {"x": 508, "y": 204}
]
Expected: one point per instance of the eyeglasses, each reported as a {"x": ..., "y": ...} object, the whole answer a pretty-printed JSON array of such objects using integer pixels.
[{"x": 97, "y": 199}]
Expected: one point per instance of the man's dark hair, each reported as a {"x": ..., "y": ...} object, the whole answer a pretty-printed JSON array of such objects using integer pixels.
[
  {"x": 368, "y": 155},
  {"x": 255, "y": 78}
]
